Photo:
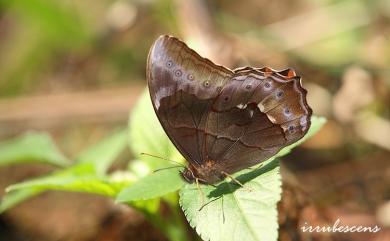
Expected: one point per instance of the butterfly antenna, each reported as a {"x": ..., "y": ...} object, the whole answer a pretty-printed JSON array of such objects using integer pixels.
[
  {"x": 163, "y": 158},
  {"x": 165, "y": 168}
]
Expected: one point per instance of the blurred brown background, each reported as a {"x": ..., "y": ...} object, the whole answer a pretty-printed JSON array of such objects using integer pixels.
[{"x": 76, "y": 68}]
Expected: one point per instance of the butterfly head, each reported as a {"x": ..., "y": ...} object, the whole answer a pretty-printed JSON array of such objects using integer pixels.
[
  {"x": 188, "y": 175},
  {"x": 208, "y": 173}
]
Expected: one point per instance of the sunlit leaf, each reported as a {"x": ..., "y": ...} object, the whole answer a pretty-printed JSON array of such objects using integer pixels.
[
  {"x": 230, "y": 213},
  {"x": 155, "y": 185},
  {"x": 147, "y": 136},
  {"x": 80, "y": 178},
  {"x": 104, "y": 153}
]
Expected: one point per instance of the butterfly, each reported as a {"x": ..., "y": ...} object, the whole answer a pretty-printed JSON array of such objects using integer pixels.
[{"x": 221, "y": 120}]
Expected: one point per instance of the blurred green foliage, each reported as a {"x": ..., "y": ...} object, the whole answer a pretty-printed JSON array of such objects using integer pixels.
[
  {"x": 74, "y": 42},
  {"x": 71, "y": 44},
  {"x": 32, "y": 146},
  {"x": 41, "y": 29},
  {"x": 90, "y": 174}
]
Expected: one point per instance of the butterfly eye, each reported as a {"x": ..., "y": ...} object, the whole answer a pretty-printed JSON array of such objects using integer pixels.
[
  {"x": 226, "y": 98},
  {"x": 267, "y": 85},
  {"x": 169, "y": 64},
  {"x": 287, "y": 111},
  {"x": 291, "y": 129},
  {"x": 279, "y": 94},
  {"x": 178, "y": 73},
  {"x": 190, "y": 76}
]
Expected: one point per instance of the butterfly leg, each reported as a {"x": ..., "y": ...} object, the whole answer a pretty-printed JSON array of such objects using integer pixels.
[
  {"x": 204, "y": 205},
  {"x": 223, "y": 213},
  {"x": 200, "y": 190},
  {"x": 259, "y": 166},
  {"x": 235, "y": 180},
  {"x": 255, "y": 168},
  {"x": 232, "y": 178},
  {"x": 213, "y": 200}
]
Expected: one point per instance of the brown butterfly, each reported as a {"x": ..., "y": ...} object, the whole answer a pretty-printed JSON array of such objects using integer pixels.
[{"x": 222, "y": 120}]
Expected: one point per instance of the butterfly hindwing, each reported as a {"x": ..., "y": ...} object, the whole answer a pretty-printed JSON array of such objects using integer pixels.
[{"x": 228, "y": 119}]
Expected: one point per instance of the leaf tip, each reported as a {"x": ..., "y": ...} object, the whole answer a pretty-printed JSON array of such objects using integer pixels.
[{"x": 9, "y": 188}]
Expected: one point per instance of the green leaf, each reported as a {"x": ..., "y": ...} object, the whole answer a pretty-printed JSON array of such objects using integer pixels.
[
  {"x": 235, "y": 213},
  {"x": 230, "y": 213},
  {"x": 147, "y": 207},
  {"x": 86, "y": 176},
  {"x": 104, "y": 153},
  {"x": 31, "y": 147},
  {"x": 155, "y": 185},
  {"x": 79, "y": 178},
  {"x": 147, "y": 136}
]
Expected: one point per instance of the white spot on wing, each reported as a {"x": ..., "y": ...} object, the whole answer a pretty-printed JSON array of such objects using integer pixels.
[
  {"x": 261, "y": 107},
  {"x": 241, "y": 106},
  {"x": 271, "y": 118},
  {"x": 303, "y": 121},
  {"x": 251, "y": 112}
]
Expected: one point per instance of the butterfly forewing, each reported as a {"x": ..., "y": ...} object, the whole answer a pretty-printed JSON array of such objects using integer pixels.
[{"x": 182, "y": 86}]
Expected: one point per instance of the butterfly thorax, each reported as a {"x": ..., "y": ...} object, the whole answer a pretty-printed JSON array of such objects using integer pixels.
[{"x": 208, "y": 173}]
